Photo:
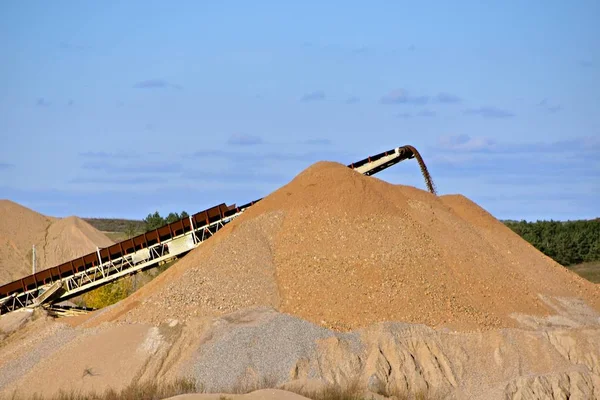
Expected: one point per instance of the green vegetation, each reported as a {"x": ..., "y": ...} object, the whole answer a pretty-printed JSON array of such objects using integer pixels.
[
  {"x": 122, "y": 229},
  {"x": 589, "y": 271},
  {"x": 114, "y": 292},
  {"x": 116, "y": 224},
  {"x": 153, "y": 221},
  {"x": 568, "y": 243},
  {"x": 574, "y": 244},
  {"x": 132, "y": 227},
  {"x": 116, "y": 236},
  {"x": 109, "y": 294},
  {"x": 131, "y": 230}
]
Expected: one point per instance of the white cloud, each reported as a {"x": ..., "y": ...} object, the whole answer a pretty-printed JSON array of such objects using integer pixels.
[{"x": 466, "y": 143}]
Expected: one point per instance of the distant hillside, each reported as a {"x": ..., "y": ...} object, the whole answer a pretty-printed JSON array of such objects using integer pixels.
[
  {"x": 121, "y": 229},
  {"x": 117, "y": 228}
]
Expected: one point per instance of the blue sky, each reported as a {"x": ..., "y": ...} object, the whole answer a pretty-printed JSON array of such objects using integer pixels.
[{"x": 117, "y": 109}]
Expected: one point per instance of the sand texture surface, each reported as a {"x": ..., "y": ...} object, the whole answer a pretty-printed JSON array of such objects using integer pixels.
[
  {"x": 257, "y": 347},
  {"x": 56, "y": 240}
]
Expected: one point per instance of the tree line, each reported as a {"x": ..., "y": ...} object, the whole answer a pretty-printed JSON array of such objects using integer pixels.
[
  {"x": 155, "y": 220},
  {"x": 568, "y": 243}
]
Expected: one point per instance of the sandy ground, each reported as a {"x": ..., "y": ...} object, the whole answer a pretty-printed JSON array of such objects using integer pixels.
[
  {"x": 260, "y": 347},
  {"x": 56, "y": 240}
]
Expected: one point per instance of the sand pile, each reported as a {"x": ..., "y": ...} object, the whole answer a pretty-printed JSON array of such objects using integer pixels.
[
  {"x": 56, "y": 240},
  {"x": 72, "y": 237},
  {"x": 20, "y": 228},
  {"x": 341, "y": 250},
  {"x": 344, "y": 251}
]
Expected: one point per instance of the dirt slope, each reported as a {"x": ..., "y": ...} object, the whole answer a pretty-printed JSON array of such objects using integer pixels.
[
  {"x": 56, "y": 240},
  {"x": 72, "y": 237},
  {"x": 344, "y": 251},
  {"x": 263, "y": 348}
]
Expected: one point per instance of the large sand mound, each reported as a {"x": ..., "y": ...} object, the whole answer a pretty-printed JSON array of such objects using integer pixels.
[
  {"x": 344, "y": 250},
  {"x": 72, "y": 237},
  {"x": 56, "y": 240}
]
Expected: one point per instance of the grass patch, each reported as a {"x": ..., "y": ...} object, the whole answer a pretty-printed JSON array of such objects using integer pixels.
[
  {"x": 246, "y": 386},
  {"x": 355, "y": 391},
  {"x": 136, "y": 391},
  {"x": 335, "y": 393},
  {"x": 589, "y": 271},
  {"x": 116, "y": 236},
  {"x": 150, "y": 390}
]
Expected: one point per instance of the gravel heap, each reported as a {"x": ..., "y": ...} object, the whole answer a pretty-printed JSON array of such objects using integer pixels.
[
  {"x": 344, "y": 250},
  {"x": 256, "y": 341}
]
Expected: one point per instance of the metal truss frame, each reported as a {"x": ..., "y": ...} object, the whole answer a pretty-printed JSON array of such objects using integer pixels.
[{"x": 109, "y": 271}]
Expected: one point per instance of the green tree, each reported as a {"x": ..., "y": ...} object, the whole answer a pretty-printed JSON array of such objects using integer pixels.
[
  {"x": 172, "y": 217},
  {"x": 130, "y": 230},
  {"x": 153, "y": 221},
  {"x": 568, "y": 243}
]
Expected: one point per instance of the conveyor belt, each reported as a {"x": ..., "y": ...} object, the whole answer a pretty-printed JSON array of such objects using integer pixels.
[{"x": 147, "y": 250}]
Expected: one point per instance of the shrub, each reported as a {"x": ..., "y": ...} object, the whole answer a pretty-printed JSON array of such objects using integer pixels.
[{"x": 108, "y": 294}]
